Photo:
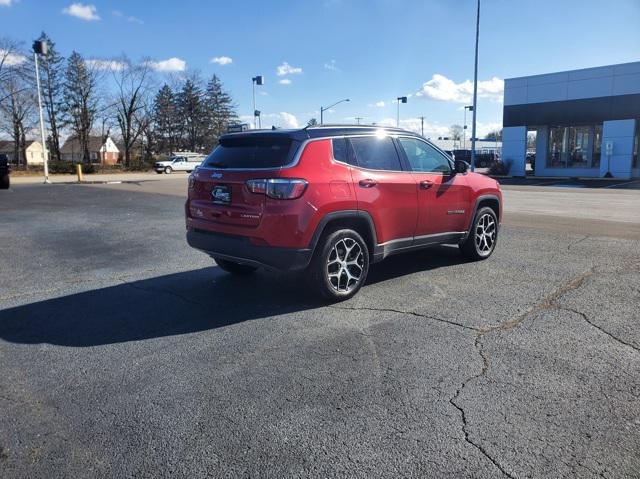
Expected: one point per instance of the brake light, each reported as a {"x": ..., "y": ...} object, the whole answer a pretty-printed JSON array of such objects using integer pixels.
[{"x": 278, "y": 188}]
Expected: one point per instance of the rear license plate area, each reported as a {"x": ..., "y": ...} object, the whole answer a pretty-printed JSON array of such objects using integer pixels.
[{"x": 221, "y": 194}]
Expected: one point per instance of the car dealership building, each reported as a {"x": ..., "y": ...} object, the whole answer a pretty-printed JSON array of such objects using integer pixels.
[{"x": 586, "y": 122}]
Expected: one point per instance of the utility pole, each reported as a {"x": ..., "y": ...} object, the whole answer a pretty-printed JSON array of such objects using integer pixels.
[
  {"x": 41, "y": 48},
  {"x": 358, "y": 118},
  {"x": 475, "y": 94},
  {"x": 422, "y": 125}
]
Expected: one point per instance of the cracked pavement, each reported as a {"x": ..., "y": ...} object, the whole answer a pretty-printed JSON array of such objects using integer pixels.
[{"x": 126, "y": 354}]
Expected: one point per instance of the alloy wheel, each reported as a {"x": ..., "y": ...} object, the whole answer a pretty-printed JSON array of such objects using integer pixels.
[
  {"x": 485, "y": 236},
  {"x": 345, "y": 265}
]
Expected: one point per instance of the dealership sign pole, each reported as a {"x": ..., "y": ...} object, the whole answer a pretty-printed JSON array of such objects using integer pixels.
[
  {"x": 475, "y": 94},
  {"x": 40, "y": 48}
]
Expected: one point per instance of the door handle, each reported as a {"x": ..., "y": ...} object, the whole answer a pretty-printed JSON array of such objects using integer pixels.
[
  {"x": 426, "y": 184},
  {"x": 367, "y": 183}
]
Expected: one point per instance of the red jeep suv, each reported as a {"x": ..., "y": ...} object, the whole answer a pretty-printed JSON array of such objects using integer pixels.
[{"x": 334, "y": 199}]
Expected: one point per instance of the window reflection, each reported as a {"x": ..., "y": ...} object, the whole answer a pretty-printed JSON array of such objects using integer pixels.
[{"x": 575, "y": 146}]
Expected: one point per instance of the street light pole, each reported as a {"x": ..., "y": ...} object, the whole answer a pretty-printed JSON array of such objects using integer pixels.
[
  {"x": 323, "y": 109},
  {"x": 475, "y": 93},
  {"x": 401, "y": 99},
  {"x": 40, "y": 47},
  {"x": 464, "y": 126},
  {"x": 256, "y": 80}
]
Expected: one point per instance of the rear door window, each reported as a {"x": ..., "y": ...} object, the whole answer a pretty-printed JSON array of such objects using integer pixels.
[
  {"x": 341, "y": 151},
  {"x": 376, "y": 153},
  {"x": 252, "y": 152}
]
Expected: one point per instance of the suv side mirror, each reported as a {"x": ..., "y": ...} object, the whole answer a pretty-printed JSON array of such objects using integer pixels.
[{"x": 460, "y": 166}]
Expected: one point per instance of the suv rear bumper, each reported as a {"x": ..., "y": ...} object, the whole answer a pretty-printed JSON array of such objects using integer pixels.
[{"x": 240, "y": 249}]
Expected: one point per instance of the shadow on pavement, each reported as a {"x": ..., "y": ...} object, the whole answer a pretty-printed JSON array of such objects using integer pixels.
[{"x": 183, "y": 303}]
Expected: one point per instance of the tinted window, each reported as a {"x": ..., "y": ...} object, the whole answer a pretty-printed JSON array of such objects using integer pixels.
[
  {"x": 423, "y": 157},
  {"x": 376, "y": 153},
  {"x": 252, "y": 152},
  {"x": 340, "y": 151}
]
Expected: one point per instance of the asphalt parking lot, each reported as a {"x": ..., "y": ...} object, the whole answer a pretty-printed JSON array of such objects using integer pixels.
[{"x": 124, "y": 353}]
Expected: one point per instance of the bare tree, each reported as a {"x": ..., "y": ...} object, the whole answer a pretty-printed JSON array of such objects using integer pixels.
[
  {"x": 12, "y": 62},
  {"x": 455, "y": 132},
  {"x": 132, "y": 89},
  {"x": 17, "y": 100}
]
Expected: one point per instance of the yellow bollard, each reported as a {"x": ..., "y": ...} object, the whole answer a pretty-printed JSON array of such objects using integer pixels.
[{"x": 79, "y": 171}]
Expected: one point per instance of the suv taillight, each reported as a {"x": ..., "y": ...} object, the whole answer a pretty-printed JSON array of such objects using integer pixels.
[{"x": 278, "y": 188}]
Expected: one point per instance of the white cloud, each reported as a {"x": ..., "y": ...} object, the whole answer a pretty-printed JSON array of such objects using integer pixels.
[
  {"x": 284, "y": 81},
  {"x": 288, "y": 120},
  {"x": 279, "y": 120},
  {"x": 82, "y": 11},
  {"x": 286, "y": 69},
  {"x": 331, "y": 65},
  {"x": 112, "y": 65},
  {"x": 172, "y": 64},
  {"x": 130, "y": 19},
  {"x": 222, "y": 60},
  {"x": 5, "y": 3},
  {"x": 263, "y": 93},
  {"x": 11, "y": 59},
  {"x": 442, "y": 88},
  {"x": 431, "y": 129},
  {"x": 379, "y": 104}
]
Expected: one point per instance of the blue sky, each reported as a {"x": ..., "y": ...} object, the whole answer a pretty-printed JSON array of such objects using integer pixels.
[{"x": 370, "y": 51}]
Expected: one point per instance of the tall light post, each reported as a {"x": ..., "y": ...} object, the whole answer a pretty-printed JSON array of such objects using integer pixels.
[
  {"x": 475, "y": 94},
  {"x": 256, "y": 80},
  {"x": 323, "y": 109},
  {"x": 401, "y": 99},
  {"x": 464, "y": 126},
  {"x": 41, "y": 48}
]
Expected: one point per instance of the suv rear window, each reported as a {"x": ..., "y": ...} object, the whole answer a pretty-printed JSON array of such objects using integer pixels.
[{"x": 252, "y": 152}]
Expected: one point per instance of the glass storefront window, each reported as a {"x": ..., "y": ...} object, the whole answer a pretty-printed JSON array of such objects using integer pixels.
[
  {"x": 636, "y": 145},
  {"x": 575, "y": 146}
]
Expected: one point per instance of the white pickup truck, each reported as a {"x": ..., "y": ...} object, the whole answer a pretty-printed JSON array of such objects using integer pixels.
[{"x": 178, "y": 163}]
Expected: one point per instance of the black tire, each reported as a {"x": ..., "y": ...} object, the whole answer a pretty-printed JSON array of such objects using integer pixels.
[
  {"x": 168, "y": 170},
  {"x": 235, "y": 268},
  {"x": 483, "y": 164},
  {"x": 159, "y": 172},
  {"x": 5, "y": 182},
  {"x": 329, "y": 274},
  {"x": 483, "y": 235}
]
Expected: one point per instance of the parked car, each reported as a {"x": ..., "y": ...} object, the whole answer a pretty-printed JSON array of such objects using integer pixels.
[
  {"x": 5, "y": 169},
  {"x": 483, "y": 160},
  {"x": 178, "y": 163},
  {"x": 333, "y": 200}
]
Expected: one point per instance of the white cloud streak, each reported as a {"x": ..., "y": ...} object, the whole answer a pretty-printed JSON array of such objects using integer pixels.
[
  {"x": 111, "y": 65},
  {"x": 80, "y": 10},
  {"x": 286, "y": 69},
  {"x": 284, "y": 81},
  {"x": 222, "y": 61},
  {"x": 172, "y": 64},
  {"x": 11, "y": 59},
  {"x": 444, "y": 89},
  {"x": 5, "y": 3},
  {"x": 331, "y": 65}
]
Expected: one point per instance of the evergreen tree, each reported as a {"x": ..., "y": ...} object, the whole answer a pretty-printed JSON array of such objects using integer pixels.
[
  {"x": 167, "y": 126},
  {"x": 192, "y": 112},
  {"x": 220, "y": 110},
  {"x": 80, "y": 99},
  {"x": 52, "y": 72}
]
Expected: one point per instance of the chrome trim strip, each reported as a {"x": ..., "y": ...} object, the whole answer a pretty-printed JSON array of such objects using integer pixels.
[{"x": 421, "y": 237}]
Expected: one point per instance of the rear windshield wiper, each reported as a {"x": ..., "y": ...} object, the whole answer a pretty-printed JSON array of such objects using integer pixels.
[{"x": 217, "y": 164}]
